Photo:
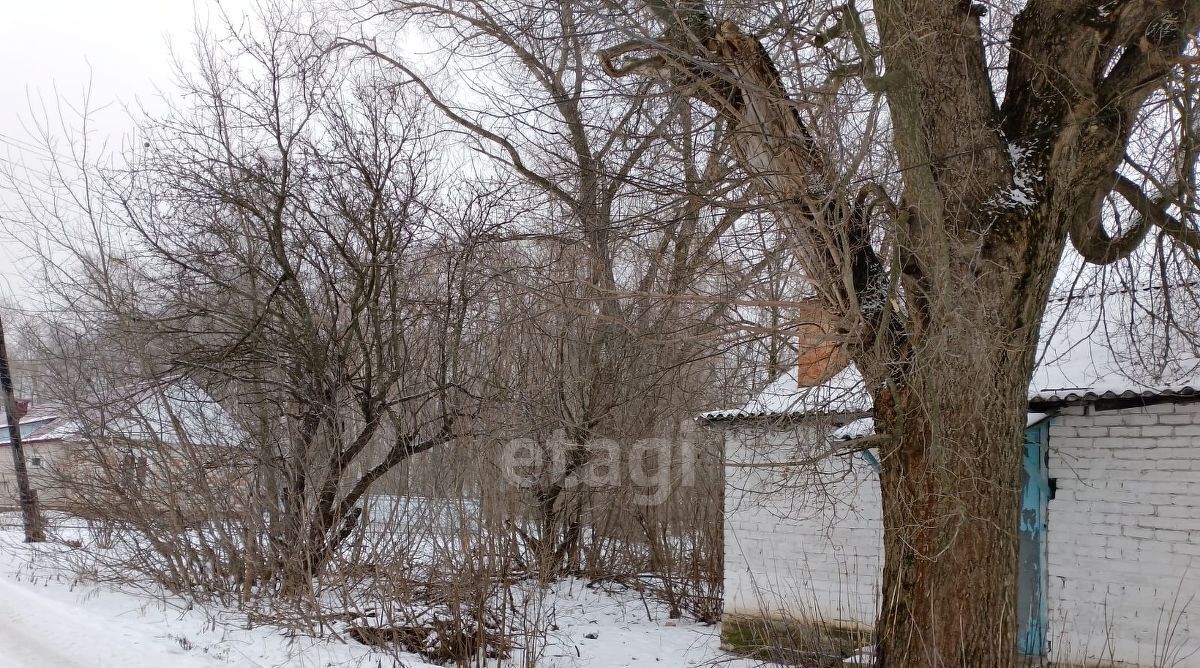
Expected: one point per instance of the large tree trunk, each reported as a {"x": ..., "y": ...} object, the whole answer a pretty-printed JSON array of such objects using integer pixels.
[
  {"x": 950, "y": 478},
  {"x": 950, "y": 508},
  {"x": 949, "y": 384}
]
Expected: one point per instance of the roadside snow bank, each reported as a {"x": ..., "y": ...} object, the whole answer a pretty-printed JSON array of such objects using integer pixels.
[{"x": 48, "y": 619}]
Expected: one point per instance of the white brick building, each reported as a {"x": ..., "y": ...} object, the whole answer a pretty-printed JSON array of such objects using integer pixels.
[{"x": 1111, "y": 574}]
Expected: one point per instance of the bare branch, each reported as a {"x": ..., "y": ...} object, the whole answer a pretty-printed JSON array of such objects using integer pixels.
[{"x": 1154, "y": 212}]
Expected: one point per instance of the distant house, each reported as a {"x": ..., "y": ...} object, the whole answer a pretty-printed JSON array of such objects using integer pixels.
[
  {"x": 143, "y": 436},
  {"x": 41, "y": 450},
  {"x": 1110, "y": 524}
]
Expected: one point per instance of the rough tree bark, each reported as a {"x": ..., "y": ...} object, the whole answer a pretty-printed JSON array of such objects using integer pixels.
[{"x": 943, "y": 317}]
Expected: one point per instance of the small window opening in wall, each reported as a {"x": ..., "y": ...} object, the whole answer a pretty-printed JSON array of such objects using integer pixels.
[{"x": 35, "y": 462}]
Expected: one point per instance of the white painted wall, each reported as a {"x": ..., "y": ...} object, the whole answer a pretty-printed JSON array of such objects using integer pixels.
[
  {"x": 799, "y": 544},
  {"x": 1123, "y": 536}
]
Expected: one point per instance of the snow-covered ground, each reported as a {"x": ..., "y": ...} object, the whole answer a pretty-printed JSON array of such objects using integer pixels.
[
  {"x": 52, "y": 619},
  {"x": 625, "y": 636}
]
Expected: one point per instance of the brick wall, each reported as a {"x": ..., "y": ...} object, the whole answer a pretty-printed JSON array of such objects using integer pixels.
[
  {"x": 800, "y": 543},
  {"x": 1123, "y": 545},
  {"x": 1124, "y": 535}
]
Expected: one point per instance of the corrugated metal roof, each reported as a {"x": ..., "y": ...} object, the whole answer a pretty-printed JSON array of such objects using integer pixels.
[{"x": 1074, "y": 395}]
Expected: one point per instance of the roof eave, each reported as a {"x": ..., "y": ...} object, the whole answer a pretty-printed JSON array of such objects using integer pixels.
[{"x": 790, "y": 417}]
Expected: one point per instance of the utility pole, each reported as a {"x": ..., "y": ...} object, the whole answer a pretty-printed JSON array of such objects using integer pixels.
[{"x": 34, "y": 532}]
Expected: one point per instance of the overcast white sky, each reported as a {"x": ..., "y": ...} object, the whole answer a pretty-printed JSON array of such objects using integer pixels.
[{"x": 54, "y": 49}]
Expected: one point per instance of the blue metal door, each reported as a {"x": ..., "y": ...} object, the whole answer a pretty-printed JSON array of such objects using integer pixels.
[{"x": 1031, "y": 576}]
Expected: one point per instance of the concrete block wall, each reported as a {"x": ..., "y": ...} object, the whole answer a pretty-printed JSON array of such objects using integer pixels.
[{"x": 1123, "y": 548}]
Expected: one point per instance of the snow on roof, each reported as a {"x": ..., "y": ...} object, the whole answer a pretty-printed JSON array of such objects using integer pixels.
[
  {"x": 843, "y": 393},
  {"x": 1116, "y": 346},
  {"x": 856, "y": 429},
  {"x": 173, "y": 412},
  {"x": 1101, "y": 346},
  {"x": 34, "y": 427}
]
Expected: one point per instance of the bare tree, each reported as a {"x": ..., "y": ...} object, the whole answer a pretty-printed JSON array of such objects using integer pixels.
[
  {"x": 932, "y": 229},
  {"x": 619, "y": 270},
  {"x": 277, "y": 239}
]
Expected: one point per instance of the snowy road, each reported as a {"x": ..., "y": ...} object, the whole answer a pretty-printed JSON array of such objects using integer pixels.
[
  {"x": 50, "y": 620},
  {"x": 37, "y": 631}
]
